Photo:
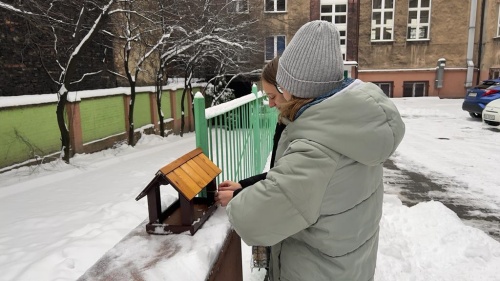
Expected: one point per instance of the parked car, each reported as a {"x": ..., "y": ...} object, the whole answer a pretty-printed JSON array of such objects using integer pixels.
[
  {"x": 491, "y": 113},
  {"x": 480, "y": 95}
]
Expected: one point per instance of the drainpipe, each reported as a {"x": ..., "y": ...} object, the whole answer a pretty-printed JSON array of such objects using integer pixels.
[
  {"x": 358, "y": 11},
  {"x": 480, "y": 45},
  {"x": 470, "y": 43}
]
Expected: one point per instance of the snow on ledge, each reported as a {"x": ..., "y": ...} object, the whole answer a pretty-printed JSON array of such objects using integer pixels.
[
  {"x": 230, "y": 105},
  {"x": 79, "y": 95}
]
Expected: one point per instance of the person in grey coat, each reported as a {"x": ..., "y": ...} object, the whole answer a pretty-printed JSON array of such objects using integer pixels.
[{"x": 320, "y": 205}]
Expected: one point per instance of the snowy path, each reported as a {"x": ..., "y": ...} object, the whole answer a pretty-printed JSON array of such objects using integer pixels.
[
  {"x": 412, "y": 188},
  {"x": 67, "y": 207}
]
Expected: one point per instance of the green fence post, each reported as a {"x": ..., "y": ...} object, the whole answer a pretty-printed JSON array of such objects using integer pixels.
[
  {"x": 256, "y": 132},
  {"x": 200, "y": 127}
]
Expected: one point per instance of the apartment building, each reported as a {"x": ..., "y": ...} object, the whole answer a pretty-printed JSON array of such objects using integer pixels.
[
  {"x": 417, "y": 48},
  {"x": 409, "y": 48},
  {"x": 345, "y": 15},
  {"x": 277, "y": 22}
]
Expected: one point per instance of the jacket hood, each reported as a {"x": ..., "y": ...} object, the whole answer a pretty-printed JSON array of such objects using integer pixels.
[{"x": 360, "y": 122}]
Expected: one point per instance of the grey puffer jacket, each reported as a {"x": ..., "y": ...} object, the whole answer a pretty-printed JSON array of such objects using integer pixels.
[{"x": 320, "y": 205}]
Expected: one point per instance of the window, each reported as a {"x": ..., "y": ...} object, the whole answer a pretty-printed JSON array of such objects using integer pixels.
[
  {"x": 414, "y": 89},
  {"x": 494, "y": 73},
  {"x": 275, "y": 45},
  {"x": 419, "y": 17},
  {"x": 382, "y": 20},
  {"x": 275, "y": 6},
  {"x": 386, "y": 87},
  {"x": 335, "y": 11},
  {"x": 498, "y": 25},
  {"x": 238, "y": 6}
]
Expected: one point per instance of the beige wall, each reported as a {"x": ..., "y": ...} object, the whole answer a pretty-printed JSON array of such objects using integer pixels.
[
  {"x": 416, "y": 61},
  {"x": 491, "y": 50},
  {"x": 278, "y": 23},
  {"x": 448, "y": 38}
]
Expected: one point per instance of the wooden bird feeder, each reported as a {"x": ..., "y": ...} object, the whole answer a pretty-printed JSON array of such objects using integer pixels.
[{"x": 188, "y": 174}]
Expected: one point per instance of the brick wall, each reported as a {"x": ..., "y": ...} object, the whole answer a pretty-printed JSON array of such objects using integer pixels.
[{"x": 22, "y": 72}]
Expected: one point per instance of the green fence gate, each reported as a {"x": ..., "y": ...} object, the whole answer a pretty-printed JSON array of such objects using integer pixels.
[{"x": 237, "y": 135}]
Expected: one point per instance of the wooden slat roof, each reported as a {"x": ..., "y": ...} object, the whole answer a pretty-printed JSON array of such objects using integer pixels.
[{"x": 189, "y": 174}]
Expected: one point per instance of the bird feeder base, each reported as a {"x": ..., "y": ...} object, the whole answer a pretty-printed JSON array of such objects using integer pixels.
[{"x": 173, "y": 218}]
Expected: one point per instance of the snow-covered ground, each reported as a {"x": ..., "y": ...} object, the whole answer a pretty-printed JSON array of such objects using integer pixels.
[{"x": 57, "y": 219}]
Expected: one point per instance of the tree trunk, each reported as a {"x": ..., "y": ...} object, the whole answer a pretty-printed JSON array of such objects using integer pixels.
[
  {"x": 183, "y": 122},
  {"x": 159, "y": 93},
  {"x": 131, "y": 81},
  {"x": 192, "y": 98},
  {"x": 131, "y": 140},
  {"x": 64, "y": 81},
  {"x": 65, "y": 140}
]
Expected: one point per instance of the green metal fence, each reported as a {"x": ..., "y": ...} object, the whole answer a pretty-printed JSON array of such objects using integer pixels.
[{"x": 237, "y": 135}]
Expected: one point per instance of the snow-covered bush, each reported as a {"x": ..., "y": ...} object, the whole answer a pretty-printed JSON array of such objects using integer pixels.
[{"x": 218, "y": 93}]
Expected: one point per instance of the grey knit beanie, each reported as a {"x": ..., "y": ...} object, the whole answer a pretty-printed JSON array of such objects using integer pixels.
[{"x": 312, "y": 63}]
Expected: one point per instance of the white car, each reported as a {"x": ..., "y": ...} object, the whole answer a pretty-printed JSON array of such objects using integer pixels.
[{"x": 491, "y": 113}]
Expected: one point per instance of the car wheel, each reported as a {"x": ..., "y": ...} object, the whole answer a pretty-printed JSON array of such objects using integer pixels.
[
  {"x": 491, "y": 123},
  {"x": 475, "y": 115}
]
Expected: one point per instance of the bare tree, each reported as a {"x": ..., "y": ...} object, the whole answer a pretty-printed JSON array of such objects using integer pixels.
[
  {"x": 170, "y": 19},
  {"x": 139, "y": 29},
  {"x": 213, "y": 36},
  {"x": 185, "y": 34},
  {"x": 70, "y": 25}
]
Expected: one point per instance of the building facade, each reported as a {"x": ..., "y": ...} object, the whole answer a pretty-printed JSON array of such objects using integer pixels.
[
  {"x": 489, "y": 22},
  {"x": 410, "y": 48},
  {"x": 427, "y": 47},
  {"x": 277, "y": 22}
]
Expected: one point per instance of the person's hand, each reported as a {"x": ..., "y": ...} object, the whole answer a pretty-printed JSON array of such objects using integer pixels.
[
  {"x": 223, "y": 197},
  {"x": 229, "y": 185}
]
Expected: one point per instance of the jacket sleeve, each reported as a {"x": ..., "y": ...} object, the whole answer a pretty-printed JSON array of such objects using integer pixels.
[{"x": 288, "y": 200}]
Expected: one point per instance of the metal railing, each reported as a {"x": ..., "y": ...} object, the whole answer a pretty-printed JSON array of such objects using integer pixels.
[{"x": 237, "y": 135}]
